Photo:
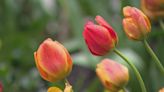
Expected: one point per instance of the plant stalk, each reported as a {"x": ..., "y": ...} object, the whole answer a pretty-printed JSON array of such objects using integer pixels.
[
  {"x": 141, "y": 82},
  {"x": 156, "y": 60}
]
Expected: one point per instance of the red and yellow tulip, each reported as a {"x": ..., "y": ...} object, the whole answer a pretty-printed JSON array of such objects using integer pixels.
[
  {"x": 136, "y": 24},
  {"x": 68, "y": 88},
  {"x": 53, "y": 60},
  {"x": 54, "y": 89},
  {"x": 154, "y": 9},
  {"x": 1, "y": 87},
  {"x": 113, "y": 75},
  {"x": 161, "y": 90}
]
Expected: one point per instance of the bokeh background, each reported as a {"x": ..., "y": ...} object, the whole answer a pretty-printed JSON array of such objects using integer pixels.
[{"x": 24, "y": 24}]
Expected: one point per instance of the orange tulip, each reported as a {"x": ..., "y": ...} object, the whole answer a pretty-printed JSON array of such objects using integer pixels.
[
  {"x": 153, "y": 8},
  {"x": 68, "y": 88},
  {"x": 136, "y": 24},
  {"x": 54, "y": 89},
  {"x": 53, "y": 60},
  {"x": 161, "y": 90},
  {"x": 101, "y": 38},
  {"x": 113, "y": 75}
]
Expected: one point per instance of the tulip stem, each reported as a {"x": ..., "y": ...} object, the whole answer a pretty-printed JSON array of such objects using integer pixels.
[
  {"x": 67, "y": 81},
  {"x": 124, "y": 89},
  {"x": 156, "y": 60},
  {"x": 161, "y": 24},
  {"x": 143, "y": 88}
]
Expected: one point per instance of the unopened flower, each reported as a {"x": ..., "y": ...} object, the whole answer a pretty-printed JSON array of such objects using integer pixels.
[
  {"x": 113, "y": 75},
  {"x": 53, "y": 60},
  {"x": 153, "y": 8},
  {"x": 1, "y": 87},
  {"x": 68, "y": 88},
  {"x": 100, "y": 38},
  {"x": 161, "y": 90},
  {"x": 54, "y": 89},
  {"x": 136, "y": 24}
]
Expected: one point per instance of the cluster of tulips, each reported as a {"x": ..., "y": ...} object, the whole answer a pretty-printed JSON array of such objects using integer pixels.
[{"x": 54, "y": 62}]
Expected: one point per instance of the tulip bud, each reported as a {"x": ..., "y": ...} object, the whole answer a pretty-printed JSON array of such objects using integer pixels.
[
  {"x": 136, "y": 24},
  {"x": 53, "y": 60},
  {"x": 153, "y": 8},
  {"x": 101, "y": 38},
  {"x": 54, "y": 89},
  {"x": 1, "y": 87},
  {"x": 68, "y": 88},
  {"x": 113, "y": 75},
  {"x": 161, "y": 90}
]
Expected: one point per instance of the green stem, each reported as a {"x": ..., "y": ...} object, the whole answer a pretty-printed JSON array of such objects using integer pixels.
[
  {"x": 161, "y": 24},
  {"x": 124, "y": 90},
  {"x": 143, "y": 88},
  {"x": 156, "y": 60},
  {"x": 66, "y": 81}
]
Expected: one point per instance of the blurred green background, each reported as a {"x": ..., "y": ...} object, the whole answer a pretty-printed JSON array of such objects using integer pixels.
[{"x": 24, "y": 24}]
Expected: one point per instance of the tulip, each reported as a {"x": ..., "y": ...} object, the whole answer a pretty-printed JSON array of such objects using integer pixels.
[
  {"x": 54, "y": 89},
  {"x": 53, "y": 60},
  {"x": 113, "y": 75},
  {"x": 68, "y": 88},
  {"x": 1, "y": 87},
  {"x": 100, "y": 38},
  {"x": 161, "y": 90},
  {"x": 153, "y": 8},
  {"x": 136, "y": 24}
]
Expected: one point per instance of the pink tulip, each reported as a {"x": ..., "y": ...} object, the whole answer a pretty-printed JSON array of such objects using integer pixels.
[
  {"x": 136, "y": 24},
  {"x": 113, "y": 75}
]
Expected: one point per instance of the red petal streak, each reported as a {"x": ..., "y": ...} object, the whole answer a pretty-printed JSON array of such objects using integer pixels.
[
  {"x": 52, "y": 57},
  {"x": 68, "y": 60},
  {"x": 117, "y": 73},
  {"x": 103, "y": 23},
  {"x": 98, "y": 39},
  {"x": 43, "y": 74}
]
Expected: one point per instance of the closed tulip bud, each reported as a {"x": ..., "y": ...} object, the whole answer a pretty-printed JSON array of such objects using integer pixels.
[
  {"x": 136, "y": 24},
  {"x": 100, "y": 38},
  {"x": 68, "y": 88},
  {"x": 153, "y": 8},
  {"x": 53, "y": 60},
  {"x": 1, "y": 87},
  {"x": 54, "y": 89},
  {"x": 113, "y": 75},
  {"x": 161, "y": 90}
]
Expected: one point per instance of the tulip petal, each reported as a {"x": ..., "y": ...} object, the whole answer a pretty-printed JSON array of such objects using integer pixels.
[
  {"x": 54, "y": 89},
  {"x": 98, "y": 39},
  {"x": 68, "y": 88},
  {"x": 112, "y": 74},
  {"x": 106, "y": 81},
  {"x": 100, "y": 20},
  {"x": 161, "y": 90},
  {"x": 51, "y": 57},
  {"x": 69, "y": 63},
  {"x": 136, "y": 24},
  {"x": 43, "y": 74},
  {"x": 131, "y": 29},
  {"x": 1, "y": 87}
]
